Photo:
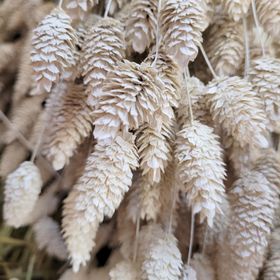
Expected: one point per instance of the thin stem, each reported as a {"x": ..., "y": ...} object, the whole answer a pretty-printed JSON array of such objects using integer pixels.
[
  {"x": 187, "y": 76},
  {"x": 22, "y": 139},
  {"x": 256, "y": 20},
  {"x": 191, "y": 238},
  {"x": 108, "y": 6},
  {"x": 246, "y": 46},
  {"x": 60, "y": 4},
  {"x": 19, "y": 135},
  {"x": 158, "y": 36},
  {"x": 38, "y": 143},
  {"x": 204, "y": 240},
  {"x": 207, "y": 61},
  {"x": 136, "y": 241},
  {"x": 172, "y": 208}
]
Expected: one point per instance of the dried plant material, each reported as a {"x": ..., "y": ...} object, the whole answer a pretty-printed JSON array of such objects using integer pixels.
[
  {"x": 236, "y": 9},
  {"x": 140, "y": 27},
  {"x": 225, "y": 46},
  {"x": 104, "y": 47},
  {"x": 258, "y": 39},
  {"x": 162, "y": 258},
  {"x": 98, "y": 193},
  {"x": 8, "y": 56},
  {"x": 243, "y": 252},
  {"x": 48, "y": 237},
  {"x": 269, "y": 16},
  {"x": 188, "y": 273},
  {"x": 201, "y": 169},
  {"x": 46, "y": 204},
  {"x": 203, "y": 267},
  {"x": 13, "y": 155},
  {"x": 70, "y": 275},
  {"x": 182, "y": 24},
  {"x": 197, "y": 91},
  {"x": 154, "y": 151},
  {"x": 268, "y": 163},
  {"x": 238, "y": 110},
  {"x": 265, "y": 77},
  {"x": 24, "y": 116},
  {"x": 22, "y": 190},
  {"x": 78, "y": 9},
  {"x": 53, "y": 47},
  {"x": 169, "y": 72},
  {"x": 272, "y": 264},
  {"x": 124, "y": 270},
  {"x": 69, "y": 114},
  {"x": 144, "y": 200},
  {"x": 116, "y": 5},
  {"x": 132, "y": 94}
]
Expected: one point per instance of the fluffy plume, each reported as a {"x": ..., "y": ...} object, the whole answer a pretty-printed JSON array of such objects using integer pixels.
[
  {"x": 242, "y": 254},
  {"x": 132, "y": 95},
  {"x": 201, "y": 169},
  {"x": 98, "y": 193},
  {"x": 265, "y": 77},
  {"x": 272, "y": 264},
  {"x": 71, "y": 123},
  {"x": 48, "y": 237},
  {"x": 236, "y": 8},
  {"x": 22, "y": 190},
  {"x": 140, "y": 27},
  {"x": 79, "y": 8},
  {"x": 269, "y": 16},
  {"x": 124, "y": 270},
  {"x": 238, "y": 110},
  {"x": 225, "y": 46},
  {"x": 182, "y": 25},
  {"x": 53, "y": 47},
  {"x": 103, "y": 48},
  {"x": 162, "y": 258}
]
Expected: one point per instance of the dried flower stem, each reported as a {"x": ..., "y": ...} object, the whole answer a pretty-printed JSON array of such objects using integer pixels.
[
  {"x": 20, "y": 137},
  {"x": 38, "y": 143},
  {"x": 191, "y": 238},
  {"x": 136, "y": 241},
  {"x": 107, "y": 8},
  {"x": 247, "y": 49},
  {"x": 172, "y": 208},
  {"x": 187, "y": 76},
  {"x": 207, "y": 61},
  {"x": 158, "y": 36},
  {"x": 60, "y": 4},
  {"x": 256, "y": 20}
]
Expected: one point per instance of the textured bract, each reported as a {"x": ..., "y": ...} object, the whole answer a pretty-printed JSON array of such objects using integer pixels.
[
  {"x": 53, "y": 47},
  {"x": 201, "y": 169},
  {"x": 182, "y": 24}
]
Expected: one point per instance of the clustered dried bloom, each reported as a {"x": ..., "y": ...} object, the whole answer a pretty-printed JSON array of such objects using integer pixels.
[
  {"x": 53, "y": 49},
  {"x": 22, "y": 190},
  {"x": 141, "y": 138}
]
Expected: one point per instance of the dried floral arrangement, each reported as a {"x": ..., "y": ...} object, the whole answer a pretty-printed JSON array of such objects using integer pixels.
[{"x": 139, "y": 139}]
